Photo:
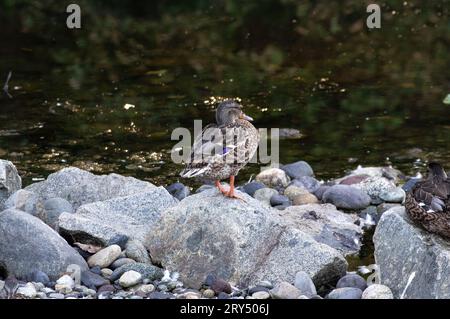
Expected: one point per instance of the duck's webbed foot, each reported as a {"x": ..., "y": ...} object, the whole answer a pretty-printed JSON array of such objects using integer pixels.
[
  {"x": 221, "y": 189},
  {"x": 231, "y": 193}
]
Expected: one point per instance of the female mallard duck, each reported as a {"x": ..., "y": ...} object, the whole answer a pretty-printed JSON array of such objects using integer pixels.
[
  {"x": 223, "y": 148},
  {"x": 428, "y": 202}
]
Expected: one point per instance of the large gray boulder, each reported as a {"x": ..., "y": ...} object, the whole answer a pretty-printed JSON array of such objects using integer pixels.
[
  {"x": 10, "y": 181},
  {"x": 405, "y": 253},
  {"x": 326, "y": 225},
  {"x": 133, "y": 216},
  {"x": 242, "y": 242},
  {"x": 81, "y": 187},
  {"x": 28, "y": 245}
]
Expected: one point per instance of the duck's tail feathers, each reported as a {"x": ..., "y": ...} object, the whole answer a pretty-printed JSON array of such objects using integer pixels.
[{"x": 192, "y": 172}]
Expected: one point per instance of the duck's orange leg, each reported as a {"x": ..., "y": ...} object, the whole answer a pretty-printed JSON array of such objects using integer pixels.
[
  {"x": 231, "y": 193},
  {"x": 221, "y": 189}
]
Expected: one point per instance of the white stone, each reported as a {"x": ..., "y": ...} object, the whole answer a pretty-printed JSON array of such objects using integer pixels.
[
  {"x": 28, "y": 291},
  {"x": 377, "y": 291},
  {"x": 130, "y": 278},
  {"x": 261, "y": 295},
  {"x": 273, "y": 177}
]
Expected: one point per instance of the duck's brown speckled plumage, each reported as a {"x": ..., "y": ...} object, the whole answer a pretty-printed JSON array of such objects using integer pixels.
[
  {"x": 428, "y": 202},
  {"x": 237, "y": 144}
]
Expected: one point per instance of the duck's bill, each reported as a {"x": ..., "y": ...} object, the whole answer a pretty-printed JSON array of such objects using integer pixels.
[{"x": 247, "y": 118}]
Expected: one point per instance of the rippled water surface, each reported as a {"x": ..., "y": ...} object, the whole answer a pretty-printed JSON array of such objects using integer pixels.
[{"x": 357, "y": 96}]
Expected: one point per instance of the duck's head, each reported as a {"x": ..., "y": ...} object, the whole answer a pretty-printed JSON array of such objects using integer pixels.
[
  {"x": 436, "y": 170},
  {"x": 229, "y": 111}
]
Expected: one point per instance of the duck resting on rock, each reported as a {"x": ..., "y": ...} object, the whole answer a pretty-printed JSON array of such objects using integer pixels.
[
  {"x": 223, "y": 148},
  {"x": 428, "y": 202}
]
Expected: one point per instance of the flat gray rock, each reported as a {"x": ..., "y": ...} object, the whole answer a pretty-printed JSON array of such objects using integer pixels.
[
  {"x": 27, "y": 245},
  {"x": 346, "y": 197},
  {"x": 405, "y": 252},
  {"x": 326, "y": 225},
  {"x": 133, "y": 216},
  {"x": 81, "y": 187},
  {"x": 241, "y": 242}
]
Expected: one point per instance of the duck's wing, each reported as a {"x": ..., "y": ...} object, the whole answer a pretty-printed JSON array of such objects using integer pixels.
[
  {"x": 206, "y": 146},
  {"x": 432, "y": 194}
]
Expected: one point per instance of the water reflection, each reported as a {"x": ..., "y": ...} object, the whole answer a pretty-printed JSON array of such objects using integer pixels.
[{"x": 106, "y": 98}]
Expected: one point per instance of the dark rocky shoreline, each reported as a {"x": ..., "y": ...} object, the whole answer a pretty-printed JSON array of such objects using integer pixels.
[{"x": 82, "y": 236}]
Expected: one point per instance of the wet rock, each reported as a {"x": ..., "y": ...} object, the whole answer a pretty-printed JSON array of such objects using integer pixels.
[
  {"x": 346, "y": 197},
  {"x": 377, "y": 291},
  {"x": 105, "y": 257},
  {"x": 285, "y": 290},
  {"x": 326, "y": 225},
  {"x": 132, "y": 216},
  {"x": 136, "y": 251},
  {"x": 345, "y": 293},
  {"x": 10, "y": 181},
  {"x": 178, "y": 190},
  {"x": 405, "y": 252},
  {"x": 352, "y": 281},
  {"x": 273, "y": 177},
  {"x": 130, "y": 278},
  {"x": 205, "y": 222},
  {"x": 265, "y": 194},
  {"x": 39, "y": 245},
  {"x": 304, "y": 284},
  {"x": 298, "y": 169}
]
